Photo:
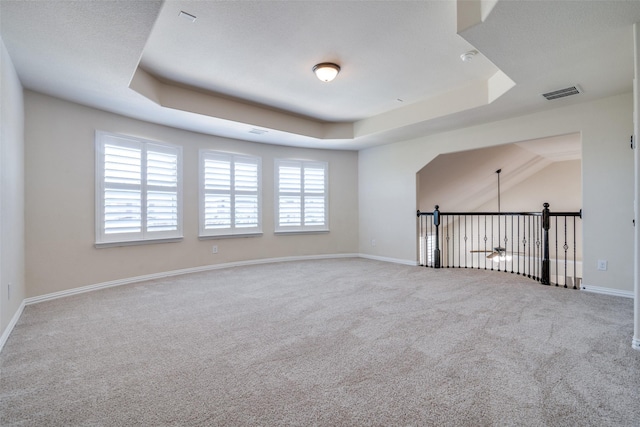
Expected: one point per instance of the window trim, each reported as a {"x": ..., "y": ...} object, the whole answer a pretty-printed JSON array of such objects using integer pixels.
[
  {"x": 231, "y": 231},
  {"x": 300, "y": 229},
  {"x": 103, "y": 240}
]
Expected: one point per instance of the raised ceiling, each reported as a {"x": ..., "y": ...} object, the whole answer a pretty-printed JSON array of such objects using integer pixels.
[{"x": 242, "y": 69}]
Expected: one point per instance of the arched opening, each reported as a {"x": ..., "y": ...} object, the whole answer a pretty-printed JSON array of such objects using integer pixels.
[{"x": 532, "y": 173}]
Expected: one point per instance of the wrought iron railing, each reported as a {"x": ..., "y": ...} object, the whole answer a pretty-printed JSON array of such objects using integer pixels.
[{"x": 544, "y": 246}]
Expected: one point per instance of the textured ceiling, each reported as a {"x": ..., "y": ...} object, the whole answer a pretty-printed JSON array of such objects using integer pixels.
[
  {"x": 387, "y": 50},
  {"x": 247, "y": 64}
]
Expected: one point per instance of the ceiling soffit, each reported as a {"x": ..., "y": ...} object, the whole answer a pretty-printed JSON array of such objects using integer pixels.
[{"x": 151, "y": 81}]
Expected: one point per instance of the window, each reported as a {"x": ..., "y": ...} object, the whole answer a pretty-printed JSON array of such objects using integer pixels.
[
  {"x": 138, "y": 190},
  {"x": 431, "y": 244},
  {"x": 301, "y": 196},
  {"x": 230, "y": 194}
]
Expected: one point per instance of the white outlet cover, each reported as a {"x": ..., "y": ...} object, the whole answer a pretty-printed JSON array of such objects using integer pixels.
[{"x": 602, "y": 265}]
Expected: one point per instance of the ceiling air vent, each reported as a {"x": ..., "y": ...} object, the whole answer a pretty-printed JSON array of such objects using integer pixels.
[
  {"x": 561, "y": 93},
  {"x": 258, "y": 131}
]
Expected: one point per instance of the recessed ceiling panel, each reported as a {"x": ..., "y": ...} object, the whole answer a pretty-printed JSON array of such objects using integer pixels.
[{"x": 263, "y": 52}]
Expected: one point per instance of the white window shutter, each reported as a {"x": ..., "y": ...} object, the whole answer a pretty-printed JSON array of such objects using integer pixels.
[
  {"x": 138, "y": 190},
  {"x": 230, "y": 194},
  {"x": 302, "y": 197}
]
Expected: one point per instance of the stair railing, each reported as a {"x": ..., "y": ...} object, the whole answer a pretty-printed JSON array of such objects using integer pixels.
[{"x": 544, "y": 246}]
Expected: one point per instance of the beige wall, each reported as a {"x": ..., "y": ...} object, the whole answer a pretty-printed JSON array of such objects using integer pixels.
[
  {"x": 11, "y": 191},
  {"x": 559, "y": 184},
  {"x": 60, "y": 200},
  {"x": 388, "y": 183}
]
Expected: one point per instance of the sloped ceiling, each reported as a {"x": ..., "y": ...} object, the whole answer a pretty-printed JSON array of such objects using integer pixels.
[
  {"x": 246, "y": 65},
  {"x": 464, "y": 181}
]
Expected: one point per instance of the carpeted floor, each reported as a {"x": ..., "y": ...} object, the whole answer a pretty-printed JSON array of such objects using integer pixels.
[{"x": 345, "y": 342}]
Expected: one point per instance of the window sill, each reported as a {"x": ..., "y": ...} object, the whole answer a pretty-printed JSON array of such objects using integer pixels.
[
  {"x": 286, "y": 232},
  {"x": 137, "y": 242},
  {"x": 230, "y": 236}
]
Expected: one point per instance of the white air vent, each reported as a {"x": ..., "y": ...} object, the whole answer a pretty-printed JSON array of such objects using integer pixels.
[
  {"x": 189, "y": 17},
  {"x": 561, "y": 93}
]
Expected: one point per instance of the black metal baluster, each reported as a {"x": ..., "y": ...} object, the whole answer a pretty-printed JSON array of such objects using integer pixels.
[
  {"x": 478, "y": 240},
  {"x": 423, "y": 227},
  {"x": 575, "y": 256},
  {"x": 492, "y": 234},
  {"x": 518, "y": 268},
  {"x": 525, "y": 246},
  {"x": 448, "y": 248},
  {"x": 512, "y": 239},
  {"x": 467, "y": 254},
  {"x": 431, "y": 249},
  {"x": 565, "y": 247},
  {"x": 557, "y": 267},
  {"x": 506, "y": 243},
  {"x": 453, "y": 240},
  {"x": 465, "y": 242},
  {"x": 485, "y": 242},
  {"x": 538, "y": 261},
  {"x": 530, "y": 247},
  {"x": 422, "y": 232}
]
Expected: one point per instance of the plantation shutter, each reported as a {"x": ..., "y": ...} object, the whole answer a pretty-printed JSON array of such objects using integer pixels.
[
  {"x": 138, "y": 190},
  {"x": 230, "y": 194},
  {"x": 122, "y": 203},
  {"x": 162, "y": 188},
  {"x": 301, "y": 196}
]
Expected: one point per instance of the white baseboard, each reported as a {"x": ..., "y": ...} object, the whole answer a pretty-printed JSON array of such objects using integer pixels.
[
  {"x": 387, "y": 259},
  {"x": 607, "y": 291},
  {"x": 11, "y": 325},
  {"x": 164, "y": 274},
  {"x": 136, "y": 279}
]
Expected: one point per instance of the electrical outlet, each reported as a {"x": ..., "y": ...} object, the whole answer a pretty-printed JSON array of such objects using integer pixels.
[
  {"x": 602, "y": 265},
  {"x": 214, "y": 249},
  {"x": 373, "y": 242}
]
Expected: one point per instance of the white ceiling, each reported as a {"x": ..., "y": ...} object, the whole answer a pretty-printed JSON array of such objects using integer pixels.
[{"x": 246, "y": 65}]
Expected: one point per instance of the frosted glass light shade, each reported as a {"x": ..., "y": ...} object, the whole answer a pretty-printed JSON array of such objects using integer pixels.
[{"x": 326, "y": 71}]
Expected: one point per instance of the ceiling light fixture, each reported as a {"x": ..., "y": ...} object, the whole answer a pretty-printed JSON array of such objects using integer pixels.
[
  {"x": 468, "y": 56},
  {"x": 326, "y": 71}
]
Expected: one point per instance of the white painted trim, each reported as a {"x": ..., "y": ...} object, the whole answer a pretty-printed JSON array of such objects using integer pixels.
[
  {"x": 607, "y": 291},
  {"x": 386, "y": 259},
  {"x": 161, "y": 275},
  {"x": 11, "y": 325}
]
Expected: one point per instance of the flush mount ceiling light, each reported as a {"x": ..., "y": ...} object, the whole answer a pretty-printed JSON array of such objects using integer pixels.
[
  {"x": 468, "y": 56},
  {"x": 326, "y": 71}
]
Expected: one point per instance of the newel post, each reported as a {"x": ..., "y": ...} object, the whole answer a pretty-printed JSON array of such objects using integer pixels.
[
  {"x": 436, "y": 251},
  {"x": 546, "y": 272}
]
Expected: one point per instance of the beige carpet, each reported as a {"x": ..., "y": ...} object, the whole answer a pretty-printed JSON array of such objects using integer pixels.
[{"x": 345, "y": 342}]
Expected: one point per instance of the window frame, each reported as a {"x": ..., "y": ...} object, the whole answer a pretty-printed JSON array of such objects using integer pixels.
[
  {"x": 233, "y": 230},
  {"x": 144, "y": 236},
  {"x": 302, "y": 228}
]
